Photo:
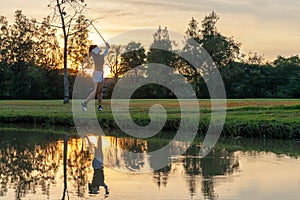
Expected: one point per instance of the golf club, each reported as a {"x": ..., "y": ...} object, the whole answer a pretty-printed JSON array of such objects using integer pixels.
[{"x": 96, "y": 30}]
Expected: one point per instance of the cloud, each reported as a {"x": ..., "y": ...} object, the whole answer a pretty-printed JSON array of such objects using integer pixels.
[
  {"x": 201, "y": 5},
  {"x": 264, "y": 10}
]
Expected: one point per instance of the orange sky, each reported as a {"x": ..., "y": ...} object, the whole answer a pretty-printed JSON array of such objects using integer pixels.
[{"x": 268, "y": 27}]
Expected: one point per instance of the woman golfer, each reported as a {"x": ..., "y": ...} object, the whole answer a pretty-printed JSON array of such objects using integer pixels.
[{"x": 98, "y": 58}]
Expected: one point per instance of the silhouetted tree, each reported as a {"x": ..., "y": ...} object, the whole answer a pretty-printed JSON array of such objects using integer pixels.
[
  {"x": 133, "y": 57},
  {"x": 161, "y": 53},
  {"x": 67, "y": 11},
  {"x": 114, "y": 62},
  {"x": 79, "y": 43},
  {"x": 222, "y": 49}
]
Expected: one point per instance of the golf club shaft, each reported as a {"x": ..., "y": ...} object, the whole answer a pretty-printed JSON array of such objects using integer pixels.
[{"x": 98, "y": 33}]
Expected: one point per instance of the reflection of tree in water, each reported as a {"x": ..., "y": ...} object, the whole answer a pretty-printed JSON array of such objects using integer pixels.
[
  {"x": 130, "y": 160},
  {"x": 128, "y": 153},
  {"x": 25, "y": 165},
  {"x": 192, "y": 168},
  {"x": 79, "y": 162},
  {"x": 217, "y": 163},
  {"x": 160, "y": 176}
]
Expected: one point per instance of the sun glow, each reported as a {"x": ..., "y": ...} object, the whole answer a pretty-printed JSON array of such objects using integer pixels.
[
  {"x": 91, "y": 141},
  {"x": 106, "y": 73}
]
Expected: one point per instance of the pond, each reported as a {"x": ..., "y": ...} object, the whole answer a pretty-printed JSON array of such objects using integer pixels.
[{"x": 32, "y": 167}]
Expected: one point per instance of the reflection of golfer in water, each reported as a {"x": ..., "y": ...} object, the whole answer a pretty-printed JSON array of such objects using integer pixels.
[{"x": 98, "y": 177}]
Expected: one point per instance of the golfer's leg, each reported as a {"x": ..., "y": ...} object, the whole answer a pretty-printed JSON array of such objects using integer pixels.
[
  {"x": 98, "y": 150},
  {"x": 92, "y": 94}
]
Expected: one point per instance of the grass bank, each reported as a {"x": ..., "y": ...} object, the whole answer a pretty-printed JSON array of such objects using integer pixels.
[{"x": 263, "y": 118}]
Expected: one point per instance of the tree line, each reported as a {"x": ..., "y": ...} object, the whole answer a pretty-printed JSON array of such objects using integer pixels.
[{"x": 31, "y": 61}]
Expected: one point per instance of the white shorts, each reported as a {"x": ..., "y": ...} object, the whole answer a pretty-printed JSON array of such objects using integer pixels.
[{"x": 98, "y": 76}]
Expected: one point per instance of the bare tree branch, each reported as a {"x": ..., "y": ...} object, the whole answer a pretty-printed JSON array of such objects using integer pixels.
[
  {"x": 74, "y": 33},
  {"x": 67, "y": 11},
  {"x": 42, "y": 23}
]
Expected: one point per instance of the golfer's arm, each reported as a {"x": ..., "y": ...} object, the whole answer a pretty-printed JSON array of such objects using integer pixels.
[{"x": 106, "y": 50}]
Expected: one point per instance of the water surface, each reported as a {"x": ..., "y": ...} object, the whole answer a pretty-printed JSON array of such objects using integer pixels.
[{"x": 31, "y": 167}]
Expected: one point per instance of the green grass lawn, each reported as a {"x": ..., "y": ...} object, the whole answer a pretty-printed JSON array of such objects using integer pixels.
[{"x": 244, "y": 116}]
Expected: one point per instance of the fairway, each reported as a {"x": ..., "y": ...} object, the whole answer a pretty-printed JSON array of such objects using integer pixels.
[{"x": 249, "y": 117}]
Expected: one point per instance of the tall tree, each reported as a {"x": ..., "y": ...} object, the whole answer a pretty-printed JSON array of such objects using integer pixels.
[
  {"x": 253, "y": 58},
  {"x": 287, "y": 76},
  {"x": 193, "y": 30},
  {"x": 113, "y": 59},
  {"x": 79, "y": 42},
  {"x": 161, "y": 48},
  {"x": 19, "y": 54},
  {"x": 67, "y": 11},
  {"x": 47, "y": 50},
  {"x": 3, "y": 44},
  {"x": 290, "y": 61},
  {"x": 192, "y": 50},
  {"x": 29, "y": 55},
  {"x": 48, "y": 56},
  {"x": 4, "y": 37},
  {"x": 160, "y": 52},
  {"x": 133, "y": 57},
  {"x": 201, "y": 44},
  {"x": 222, "y": 49}
]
